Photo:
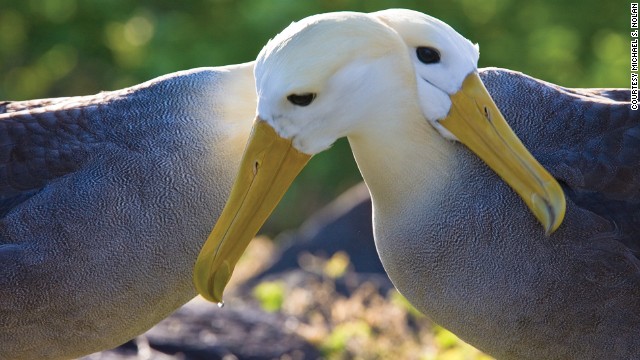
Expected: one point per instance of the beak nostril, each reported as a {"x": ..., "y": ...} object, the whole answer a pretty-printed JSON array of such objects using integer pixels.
[
  {"x": 256, "y": 165},
  {"x": 487, "y": 114}
]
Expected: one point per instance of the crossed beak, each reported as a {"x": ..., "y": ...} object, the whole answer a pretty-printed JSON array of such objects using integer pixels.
[{"x": 270, "y": 163}]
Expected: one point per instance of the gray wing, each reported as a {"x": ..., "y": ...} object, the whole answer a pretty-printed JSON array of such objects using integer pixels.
[
  {"x": 41, "y": 140},
  {"x": 46, "y": 139},
  {"x": 589, "y": 139}
]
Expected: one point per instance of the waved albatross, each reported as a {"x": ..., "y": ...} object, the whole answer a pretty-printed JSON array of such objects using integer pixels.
[
  {"x": 105, "y": 202},
  {"x": 455, "y": 239}
]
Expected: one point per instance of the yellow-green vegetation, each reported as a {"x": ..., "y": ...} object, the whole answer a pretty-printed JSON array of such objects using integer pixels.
[
  {"x": 270, "y": 294},
  {"x": 364, "y": 325},
  {"x": 337, "y": 265}
]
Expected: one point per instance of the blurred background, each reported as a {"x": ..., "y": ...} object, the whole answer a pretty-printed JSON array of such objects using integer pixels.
[
  {"x": 58, "y": 48},
  {"x": 75, "y": 47}
]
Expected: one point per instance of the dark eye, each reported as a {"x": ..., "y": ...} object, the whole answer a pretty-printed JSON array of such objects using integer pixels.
[
  {"x": 428, "y": 55},
  {"x": 301, "y": 99}
]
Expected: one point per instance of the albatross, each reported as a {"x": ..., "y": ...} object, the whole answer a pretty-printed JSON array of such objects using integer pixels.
[
  {"x": 105, "y": 201},
  {"x": 470, "y": 227}
]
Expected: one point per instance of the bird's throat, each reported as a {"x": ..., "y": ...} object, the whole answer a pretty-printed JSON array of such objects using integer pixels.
[{"x": 403, "y": 164}]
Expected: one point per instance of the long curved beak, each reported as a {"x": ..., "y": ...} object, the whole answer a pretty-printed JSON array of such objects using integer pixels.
[
  {"x": 476, "y": 121},
  {"x": 270, "y": 163},
  {"x": 268, "y": 167}
]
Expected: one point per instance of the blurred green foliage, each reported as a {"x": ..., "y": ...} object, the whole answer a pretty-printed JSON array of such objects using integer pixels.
[
  {"x": 270, "y": 295},
  {"x": 334, "y": 346},
  {"x": 54, "y": 48}
]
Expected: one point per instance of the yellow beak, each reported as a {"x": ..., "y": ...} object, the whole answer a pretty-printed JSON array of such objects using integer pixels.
[
  {"x": 270, "y": 163},
  {"x": 476, "y": 121},
  {"x": 268, "y": 166}
]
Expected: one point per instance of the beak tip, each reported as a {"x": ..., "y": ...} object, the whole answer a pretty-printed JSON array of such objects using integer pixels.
[
  {"x": 211, "y": 284},
  {"x": 210, "y": 293},
  {"x": 550, "y": 228},
  {"x": 209, "y": 296},
  {"x": 551, "y": 211},
  {"x": 213, "y": 297},
  {"x": 554, "y": 224}
]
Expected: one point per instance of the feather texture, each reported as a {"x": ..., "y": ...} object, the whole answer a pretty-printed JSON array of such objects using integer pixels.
[{"x": 105, "y": 203}]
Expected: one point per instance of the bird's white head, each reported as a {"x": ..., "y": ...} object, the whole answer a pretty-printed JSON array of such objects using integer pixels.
[
  {"x": 441, "y": 59},
  {"x": 342, "y": 74},
  {"x": 323, "y": 76}
]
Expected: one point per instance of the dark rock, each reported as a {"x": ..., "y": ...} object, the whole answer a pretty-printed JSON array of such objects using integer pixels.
[
  {"x": 202, "y": 331},
  {"x": 343, "y": 225}
]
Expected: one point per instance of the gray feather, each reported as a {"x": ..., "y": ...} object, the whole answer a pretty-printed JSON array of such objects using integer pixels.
[
  {"x": 106, "y": 201},
  {"x": 589, "y": 139},
  {"x": 475, "y": 260}
]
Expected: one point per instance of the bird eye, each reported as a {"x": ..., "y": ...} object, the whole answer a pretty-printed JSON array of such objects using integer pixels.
[
  {"x": 428, "y": 55},
  {"x": 301, "y": 99}
]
